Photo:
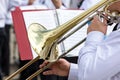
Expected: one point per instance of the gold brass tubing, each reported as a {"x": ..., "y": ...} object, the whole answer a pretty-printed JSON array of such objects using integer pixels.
[
  {"x": 42, "y": 69},
  {"x": 72, "y": 32},
  {"x": 22, "y": 68},
  {"x": 55, "y": 34},
  {"x": 62, "y": 55}
]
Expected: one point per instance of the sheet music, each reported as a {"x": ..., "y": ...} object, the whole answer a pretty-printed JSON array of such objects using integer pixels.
[
  {"x": 77, "y": 36},
  {"x": 45, "y": 18}
]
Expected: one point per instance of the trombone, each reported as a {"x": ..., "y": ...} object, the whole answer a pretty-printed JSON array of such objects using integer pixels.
[{"x": 44, "y": 42}]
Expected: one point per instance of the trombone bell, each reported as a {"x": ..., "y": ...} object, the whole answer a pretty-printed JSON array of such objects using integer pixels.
[
  {"x": 44, "y": 42},
  {"x": 38, "y": 35}
]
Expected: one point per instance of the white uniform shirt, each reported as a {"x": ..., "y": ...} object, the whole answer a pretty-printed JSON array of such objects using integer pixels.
[
  {"x": 85, "y": 4},
  {"x": 88, "y": 3},
  {"x": 5, "y": 6},
  {"x": 50, "y": 5},
  {"x": 99, "y": 58}
]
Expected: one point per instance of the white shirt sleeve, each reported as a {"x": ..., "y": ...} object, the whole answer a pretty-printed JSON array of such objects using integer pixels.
[
  {"x": 99, "y": 58},
  {"x": 73, "y": 73},
  {"x": 50, "y": 5},
  {"x": 88, "y": 3},
  {"x": 16, "y": 3}
]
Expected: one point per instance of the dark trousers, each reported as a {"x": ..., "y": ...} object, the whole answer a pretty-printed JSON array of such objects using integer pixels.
[
  {"x": 29, "y": 71},
  {"x": 2, "y": 42},
  {"x": 6, "y": 51}
]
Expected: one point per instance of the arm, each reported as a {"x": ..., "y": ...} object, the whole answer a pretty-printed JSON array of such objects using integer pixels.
[
  {"x": 57, "y": 3},
  {"x": 99, "y": 58},
  {"x": 95, "y": 36},
  {"x": 53, "y": 4},
  {"x": 60, "y": 67},
  {"x": 30, "y": 2},
  {"x": 15, "y": 3},
  {"x": 95, "y": 57},
  {"x": 88, "y": 3}
]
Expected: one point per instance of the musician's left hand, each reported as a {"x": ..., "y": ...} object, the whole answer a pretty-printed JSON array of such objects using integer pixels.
[
  {"x": 31, "y": 2},
  {"x": 115, "y": 7},
  {"x": 97, "y": 25},
  {"x": 60, "y": 67},
  {"x": 57, "y": 3}
]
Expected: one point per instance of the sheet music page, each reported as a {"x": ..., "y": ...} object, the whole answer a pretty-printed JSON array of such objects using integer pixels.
[
  {"x": 45, "y": 18},
  {"x": 64, "y": 16}
]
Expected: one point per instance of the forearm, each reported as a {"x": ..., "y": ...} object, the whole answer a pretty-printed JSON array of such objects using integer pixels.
[
  {"x": 87, "y": 54},
  {"x": 88, "y": 3},
  {"x": 57, "y": 3},
  {"x": 15, "y": 3},
  {"x": 96, "y": 61}
]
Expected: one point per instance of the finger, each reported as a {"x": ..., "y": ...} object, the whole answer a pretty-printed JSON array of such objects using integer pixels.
[
  {"x": 96, "y": 18},
  {"x": 43, "y": 64},
  {"x": 49, "y": 72},
  {"x": 105, "y": 20}
]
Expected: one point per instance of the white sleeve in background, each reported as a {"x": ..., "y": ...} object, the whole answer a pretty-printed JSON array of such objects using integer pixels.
[
  {"x": 14, "y": 3},
  {"x": 99, "y": 58},
  {"x": 11, "y": 6},
  {"x": 24, "y": 2},
  {"x": 88, "y": 3},
  {"x": 66, "y": 3},
  {"x": 17, "y": 3},
  {"x": 50, "y": 5}
]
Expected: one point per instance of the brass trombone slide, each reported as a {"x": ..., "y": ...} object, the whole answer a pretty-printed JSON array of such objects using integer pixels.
[
  {"x": 52, "y": 37},
  {"x": 61, "y": 30}
]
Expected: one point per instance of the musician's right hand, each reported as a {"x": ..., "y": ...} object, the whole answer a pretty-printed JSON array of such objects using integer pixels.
[
  {"x": 57, "y": 3},
  {"x": 114, "y": 7},
  {"x": 31, "y": 2},
  {"x": 60, "y": 67},
  {"x": 97, "y": 25}
]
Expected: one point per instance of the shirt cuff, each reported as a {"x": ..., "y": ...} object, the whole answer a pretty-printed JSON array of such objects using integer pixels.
[
  {"x": 73, "y": 74},
  {"x": 95, "y": 36}
]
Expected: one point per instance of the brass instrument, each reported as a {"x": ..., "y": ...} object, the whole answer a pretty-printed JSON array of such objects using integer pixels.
[
  {"x": 44, "y": 42},
  {"x": 113, "y": 12}
]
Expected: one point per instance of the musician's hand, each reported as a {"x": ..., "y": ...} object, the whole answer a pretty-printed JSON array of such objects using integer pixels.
[
  {"x": 57, "y": 3},
  {"x": 61, "y": 68},
  {"x": 97, "y": 25},
  {"x": 114, "y": 7},
  {"x": 31, "y": 2}
]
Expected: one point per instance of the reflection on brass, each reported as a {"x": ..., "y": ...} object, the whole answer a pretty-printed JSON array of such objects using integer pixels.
[
  {"x": 113, "y": 11},
  {"x": 38, "y": 36},
  {"x": 44, "y": 42}
]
